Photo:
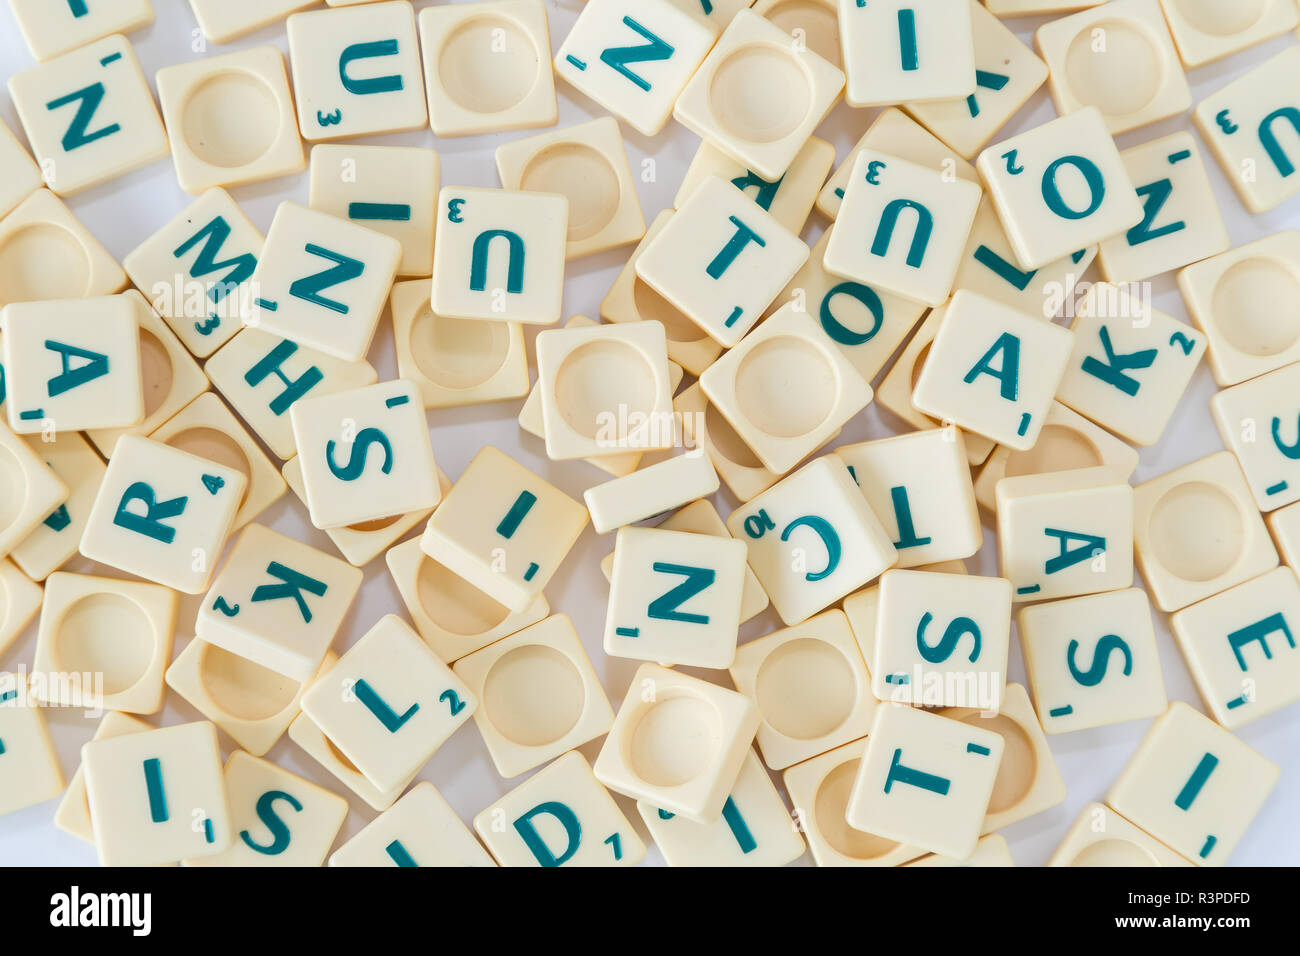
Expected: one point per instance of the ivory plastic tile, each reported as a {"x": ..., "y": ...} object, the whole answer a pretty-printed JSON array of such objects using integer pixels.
[
  {"x": 757, "y": 96},
  {"x": 634, "y": 58},
  {"x": 390, "y": 189},
  {"x": 919, "y": 485},
  {"x": 224, "y": 20},
  {"x": 925, "y": 780},
  {"x": 814, "y": 23},
  {"x": 73, "y": 813},
  {"x": 346, "y": 479},
  {"x": 862, "y": 608},
  {"x": 1251, "y": 125},
  {"x": 72, "y": 364},
  {"x": 1060, "y": 187},
  {"x": 811, "y": 686},
  {"x": 503, "y": 529},
  {"x": 560, "y": 816},
  {"x": 89, "y": 115},
  {"x": 812, "y": 539},
  {"x": 1205, "y": 32},
  {"x": 163, "y": 514},
  {"x": 538, "y": 695},
  {"x": 991, "y": 851},
  {"x": 678, "y": 743},
  {"x": 650, "y": 491},
  {"x": 18, "y": 171},
  {"x": 262, "y": 376},
  {"x": 1193, "y": 786},
  {"x": 1101, "y": 837},
  {"x": 1066, "y": 533},
  {"x": 1284, "y": 525},
  {"x": 421, "y": 829},
  {"x": 32, "y": 490},
  {"x": 675, "y": 597},
  {"x": 20, "y": 599},
  {"x": 320, "y": 748},
  {"x": 993, "y": 370},
  {"x": 736, "y": 464},
  {"x": 755, "y": 828},
  {"x": 487, "y": 67},
  {"x": 715, "y": 14},
  {"x": 897, "y": 51},
  {"x": 1270, "y": 461},
  {"x": 322, "y": 281},
  {"x": 51, "y": 29},
  {"x": 30, "y": 762},
  {"x": 1197, "y": 532},
  {"x": 1007, "y": 74},
  {"x": 230, "y": 119},
  {"x": 46, "y": 253},
  {"x": 119, "y": 631},
  {"x": 357, "y": 72},
  {"x": 1029, "y": 8},
  {"x": 389, "y": 703}
]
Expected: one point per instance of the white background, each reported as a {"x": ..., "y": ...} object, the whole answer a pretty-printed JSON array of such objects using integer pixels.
[{"x": 126, "y": 211}]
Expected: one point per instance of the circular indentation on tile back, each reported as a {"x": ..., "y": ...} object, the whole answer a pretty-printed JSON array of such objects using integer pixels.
[
  {"x": 43, "y": 261},
  {"x": 244, "y": 690},
  {"x": 1058, "y": 449},
  {"x": 831, "y": 801},
  {"x": 1222, "y": 18},
  {"x": 760, "y": 93},
  {"x": 1119, "y": 78},
  {"x": 215, "y": 446},
  {"x": 675, "y": 740},
  {"x": 155, "y": 371},
  {"x": 1113, "y": 852},
  {"x": 582, "y": 174},
  {"x": 726, "y": 442},
  {"x": 816, "y": 19},
  {"x": 341, "y": 757},
  {"x": 1196, "y": 531},
  {"x": 805, "y": 689},
  {"x": 651, "y": 305},
  {"x": 104, "y": 633},
  {"x": 454, "y": 604},
  {"x": 533, "y": 695},
  {"x": 1019, "y": 763},
  {"x": 458, "y": 353},
  {"x": 602, "y": 378},
  {"x": 488, "y": 65},
  {"x": 786, "y": 386},
  {"x": 231, "y": 119},
  {"x": 1256, "y": 307},
  {"x": 13, "y": 488}
]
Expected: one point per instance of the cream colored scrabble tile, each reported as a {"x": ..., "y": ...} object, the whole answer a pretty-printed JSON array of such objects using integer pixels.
[
  {"x": 1101, "y": 837},
  {"x": 538, "y": 695},
  {"x": 675, "y": 597},
  {"x": 1119, "y": 59},
  {"x": 758, "y": 97},
  {"x": 390, "y": 189},
  {"x": 1241, "y": 647},
  {"x": 224, "y": 20},
  {"x": 1197, "y": 532},
  {"x": 1251, "y": 126},
  {"x": 119, "y": 631},
  {"x": 89, "y": 115},
  {"x": 560, "y": 816},
  {"x": 32, "y": 490},
  {"x": 322, "y": 281},
  {"x": 937, "y": 214},
  {"x": 899, "y": 52},
  {"x": 991, "y": 851},
  {"x": 20, "y": 599},
  {"x": 252, "y": 704},
  {"x": 1029, "y": 8},
  {"x": 715, "y": 14},
  {"x": 51, "y": 29},
  {"x": 321, "y": 749},
  {"x": 896, "y": 134},
  {"x": 814, "y": 23},
  {"x": 811, "y": 686},
  {"x": 942, "y": 640},
  {"x": 736, "y": 464},
  {"x": 1256, "y": 420},
  {"x": 1066, "y": 533},
  {"x": 1242, "y": 300},
  {"x": 755, "y": 828},
  {"x": 54, "y": 541},
  {"x": 1209, "y": 31},
  {"x": 500, "y": 255},
  {"x": 279, "y": 818},
  {"x": 919, "y": 485},
  {"x": 1284, "y": 525},
  {"x": 1193, "y": 786},
  {"x": 18, "y": 171},
  {"x": 46, "y": 253},
  {"x": 230, "y": 119},
  {"x": 1060, "y": 187},
  {"x": 819, "y": 789},
  {"x": 1007, "y": 74},
  {"x": 785, "y": 389},
  {"x": 650, "y": 491},
  {"x": 925, "y": 779},
  {"x": 503, "y": 529},
  {"x": 678, "y": 743},
  {"x": 862, "y": 609},
  {"x": 993, "y": 370},
  {"x": 163, "y": 514},
  {"x": 27, "y": 754},
  {"x": 721, "y": 261},
  {"x": 73, "y": 813},
  {"x": 73, "y": 364},
  {"x": 812, "y": 539},
  {"x": 389, "y": 703},
  {"x": 262, "y": 376},
  {"x": 421, "y": 829},
  {"x": 357, "y": 72}
]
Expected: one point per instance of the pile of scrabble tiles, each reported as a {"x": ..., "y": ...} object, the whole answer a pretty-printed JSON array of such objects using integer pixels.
[{"x": 154, "y": 409}]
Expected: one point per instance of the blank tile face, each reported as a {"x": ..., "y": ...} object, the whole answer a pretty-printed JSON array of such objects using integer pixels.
[
  {"x": 1255, "y": 420},
  {"x": 420, "y": 829},
  {"x": 902, "y": 52},
  {"x": 1101, "y": 837},
  {"x": 650, "y": 491},
  {"x": 54, "y": 28},
  {"x": 29, "y": 761},
  {"x": 1205, "y": 32}
]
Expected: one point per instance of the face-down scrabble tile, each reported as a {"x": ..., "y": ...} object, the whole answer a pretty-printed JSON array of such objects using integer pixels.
[
  {"x": 73, "y": 813},
  {"x": 812, "y": 539},
  {"x": 538, "y": 695},
  {"x": 1206, "y": 32},
  {"x": 1060, "y": 187},
  {"x": 421, "y": 829},
  {"x": 224, "y": 20},
  {"x": 991, "y": 851},
  {"x": 20, "y": 599},
  {"x": 811, "y": 686},
  {"x": 678, "y": 743},
  {"x": 1193, "y": 785},
  {"x": 813, "y": 23},
  {"x": 1100, "y": 837},
  {"x": 157, "y": 796},
  {"x": 18, "y": 171},
  {"x": 562, "y": 816},
  {"x": 503, "y": 529},
  {"x": 73, "y": 266},
  {"x": 703, "y": 426},
  {"x": 1197, "y": 532},
  {"x": 900, "y": 51},
  {"x": 1257, "y": 420},
  {"x": 650, "y": 491},
  {"x": 51, "y": 29},
  {"x": 322, "y": 281},
  {"x": 163, "y": 514},
  {"x": 27, "y": 755},
  {"x": 54, "y": 541},
  {"x": 32, "y": 490}
]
